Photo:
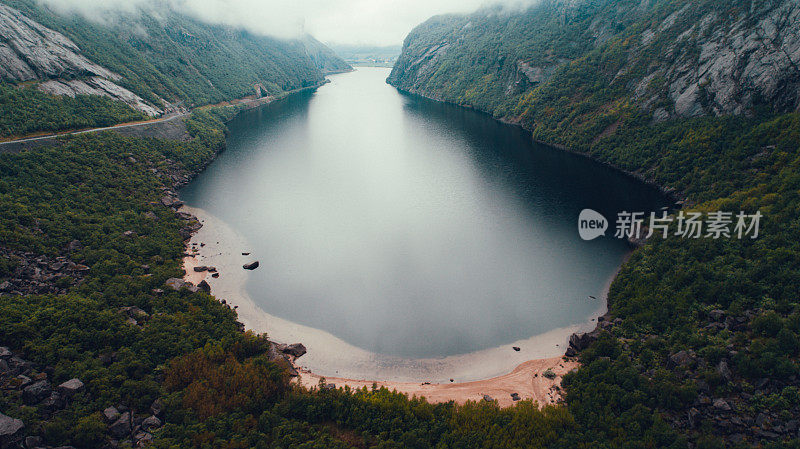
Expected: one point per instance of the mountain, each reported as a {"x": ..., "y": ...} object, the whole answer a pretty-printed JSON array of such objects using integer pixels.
[
  {"x": 323, "y": 57},
  {"x": 702, "y": 99},
  {"x": 155, "y": 60},
  {"x": 669, "y": 58}
]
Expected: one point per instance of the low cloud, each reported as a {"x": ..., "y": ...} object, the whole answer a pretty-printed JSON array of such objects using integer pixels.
[{"x": 369, "y": 22}]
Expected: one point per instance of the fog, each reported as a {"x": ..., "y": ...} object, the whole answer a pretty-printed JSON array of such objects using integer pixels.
[{"x": 366, "y": 22}]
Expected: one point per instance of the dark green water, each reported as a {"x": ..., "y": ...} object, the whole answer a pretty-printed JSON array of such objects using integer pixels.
[{"x": 412, "y": 228}]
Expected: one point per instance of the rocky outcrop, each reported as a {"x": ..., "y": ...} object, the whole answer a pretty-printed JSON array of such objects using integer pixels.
[
  {"x": 722, "y": 64},
  {"x": 31, "y": 273},
  {"x": 10, "y": 430},
  {"x": 21, "y": 379},
  {"x": 177, "y": 284},
  {"x": 285, "y": 355},
  {"x": 96, "y": 85},
  {"x": 32, "y": 52},
  {"x": 295, "y": 349}
]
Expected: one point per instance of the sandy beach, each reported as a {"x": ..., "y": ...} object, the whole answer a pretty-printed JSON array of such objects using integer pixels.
[
  {"x": 527, "y": 380},
  {"x": 496, "y": 372}
]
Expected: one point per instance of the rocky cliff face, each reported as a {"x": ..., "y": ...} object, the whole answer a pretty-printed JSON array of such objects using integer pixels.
[
  {"x": 32, "y": 52},
  {"x": 724, "y": 63},
  {"x": 672, "y": 59}
]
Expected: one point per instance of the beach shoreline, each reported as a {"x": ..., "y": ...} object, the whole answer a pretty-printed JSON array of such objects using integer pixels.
[{"x": 495, "y": 372}]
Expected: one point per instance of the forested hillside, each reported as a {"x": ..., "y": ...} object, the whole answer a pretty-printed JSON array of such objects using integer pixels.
[
  {"x": 155, "y": 60},
  {"x": 700, "y": 97}
]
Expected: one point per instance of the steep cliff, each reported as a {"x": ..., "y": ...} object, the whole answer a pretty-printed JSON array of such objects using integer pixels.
[
  {"x": 669, "y": 58},
  {"x": 30, "y": 51},
  {"x": 155, "y": 59}
]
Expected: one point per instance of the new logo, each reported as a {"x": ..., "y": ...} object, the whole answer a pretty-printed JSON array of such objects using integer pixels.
[{"x": 591, "y": 224}]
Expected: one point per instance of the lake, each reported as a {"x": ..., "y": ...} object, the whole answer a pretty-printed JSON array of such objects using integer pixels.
[{"x": 410, "y": 228}]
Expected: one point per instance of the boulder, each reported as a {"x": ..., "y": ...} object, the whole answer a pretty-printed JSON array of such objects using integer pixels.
[
  {"x": 680, "y": 358},
  {"x": 134, "y": 312},
  {"x": 581, "y": 341},
  {"x": 151, "y": 423},
  {"x": 9, "y": 427},
  {"x": 171, "y": 201},
  {"x": 143, "y": 439},
  {"x": 5, "y": 353},
  {"x": 488, "y": 398},
  {"x": 250, "y": 266},
  {"x": 716, "y": 315},
  {"x": 295, "y": 349},
  {"x": 111, "y": 414},
  {"x": 721, "y": 404},
  {"x": 33, "y": 441},
  {"x": 36, "y": 392},
  {"x": 121, "y": 428},
  {"x": 175, "y": 283},
  {"x": 22, "y": 381},
  {"x": 204, "y": 286},
  {"x": 70, "y": 387},
  {"x": 516, "y": 348},
  {"x": 22, "y": 366}
]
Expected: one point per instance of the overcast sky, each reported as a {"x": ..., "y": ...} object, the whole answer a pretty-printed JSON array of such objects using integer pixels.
[{"x": 370, "y": 22}]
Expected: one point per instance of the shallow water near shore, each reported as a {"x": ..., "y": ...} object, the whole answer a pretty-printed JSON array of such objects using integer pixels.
[{"x": 403, "y": 238}]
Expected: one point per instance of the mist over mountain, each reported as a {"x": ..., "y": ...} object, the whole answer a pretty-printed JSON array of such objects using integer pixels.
[
  {"x": 154, "y": 60},
  {"x": 357, "y": 22}
]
